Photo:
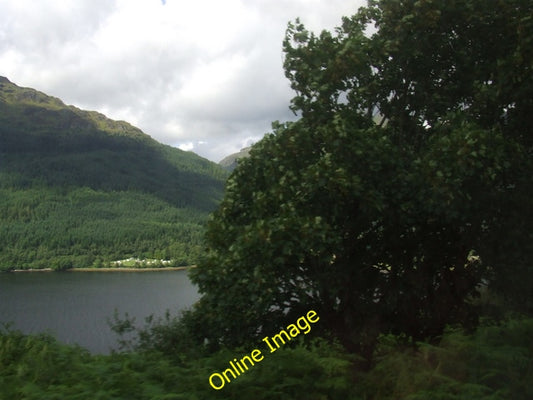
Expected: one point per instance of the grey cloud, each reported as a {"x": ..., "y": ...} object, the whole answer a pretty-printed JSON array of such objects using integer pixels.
[{"x": 148, "y": 63}]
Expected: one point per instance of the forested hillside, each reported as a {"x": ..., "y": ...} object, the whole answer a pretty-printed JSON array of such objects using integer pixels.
[
  {"x": 78, "y": 189},
  {"x": 230, "y": 162}
]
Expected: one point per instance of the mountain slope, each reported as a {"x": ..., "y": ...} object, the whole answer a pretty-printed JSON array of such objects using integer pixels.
[
  {"x": 78, "y": 189},
  {"x": 230, "y": 162}
]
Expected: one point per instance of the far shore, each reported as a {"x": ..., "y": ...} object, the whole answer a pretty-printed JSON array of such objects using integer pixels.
[
  {"x": 128, "y": 269},
  {"x": 108, "y": 269}
]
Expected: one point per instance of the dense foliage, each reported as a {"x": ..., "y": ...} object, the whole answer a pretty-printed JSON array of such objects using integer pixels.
[
  {"x": 80, "y": 190},
  {"x": 493, "y": 363},
  {"x": 402, "y": 189},
  {"x": 58, "y": 229}
]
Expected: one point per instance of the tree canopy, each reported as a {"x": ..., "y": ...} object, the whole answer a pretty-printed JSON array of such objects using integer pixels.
[{"x": 400, "y": 191}]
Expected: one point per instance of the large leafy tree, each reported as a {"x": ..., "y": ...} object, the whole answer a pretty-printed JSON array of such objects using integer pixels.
[{"x": 381, "y": 207}]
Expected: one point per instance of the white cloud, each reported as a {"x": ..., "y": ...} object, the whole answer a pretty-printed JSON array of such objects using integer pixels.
[
  {"x": 205, "y": 75},
  {"x": 186, "y": 146}
]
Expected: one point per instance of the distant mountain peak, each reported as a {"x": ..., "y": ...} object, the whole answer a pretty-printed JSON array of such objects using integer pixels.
[
  {"x": 230, "y": 162},
  {"x": 12, "y": 93}
]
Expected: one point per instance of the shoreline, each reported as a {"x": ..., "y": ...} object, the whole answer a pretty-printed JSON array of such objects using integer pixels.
[
  {"x": 108, "y": 269},
  {"x": 129, "y": 269}
]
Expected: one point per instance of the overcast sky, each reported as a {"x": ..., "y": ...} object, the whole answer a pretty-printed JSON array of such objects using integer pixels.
[{"x": 201, "y": 75}]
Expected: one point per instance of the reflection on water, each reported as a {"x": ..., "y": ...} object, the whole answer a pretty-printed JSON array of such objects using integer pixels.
[{"x": 75, "y": 306}]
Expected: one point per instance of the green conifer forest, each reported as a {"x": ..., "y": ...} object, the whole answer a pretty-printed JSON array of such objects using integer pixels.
[{"x": 80, "y": 190}]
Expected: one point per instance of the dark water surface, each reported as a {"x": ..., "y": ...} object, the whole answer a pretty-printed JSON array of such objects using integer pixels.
[{"x": 75, "y": 306}]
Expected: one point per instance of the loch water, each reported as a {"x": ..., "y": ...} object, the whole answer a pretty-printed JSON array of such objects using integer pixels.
[{"x": 75, "y": 307}]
